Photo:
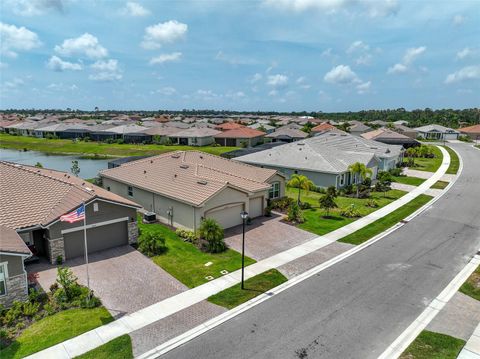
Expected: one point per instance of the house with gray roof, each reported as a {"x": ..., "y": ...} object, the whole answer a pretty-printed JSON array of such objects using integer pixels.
[
  {"x": 195, "y": 136},
  {"x": 325, "y": 158},
  {"x": 286, "y": 135},
  {"x": 436, "y": 132},
  {"x": 357, "y": 128}
]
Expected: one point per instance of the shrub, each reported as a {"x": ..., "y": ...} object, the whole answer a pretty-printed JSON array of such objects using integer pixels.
[
  {"x": 268, "y": 211},
  {"x": 305, "y": 205},
  {"x": 50, "y": 308},
  {"x": 30, "y": 308},
  {"x": 59, "y": 260},
  {"x": 213, "y": 234},
  {"x": 188, "y": 236},
  {"x": 350, "y": 212},
  {"x": 395, "y": 171},
  {"x": 68, "y": 283},
  {"x": 371, "y": 203},
  {"x": 14, "y": 313},
  {"x": 54, "y": 287},
  {"x": 151, "y": 244},
  {"x": 465, "y": 138},
  {"x": 282, "y": 203},
  {"x": 295, "y": 214}
]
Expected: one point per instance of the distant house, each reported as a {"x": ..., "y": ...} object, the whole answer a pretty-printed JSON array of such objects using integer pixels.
[
  {"x": 25, "y": 128},
  {"x": 246, "y": 151},
  {"x": 357, "y": 128},
  {"x": 195, "y": 136},
  {"x": 322, "y": 128},
  {"x": 401, "y": 122},
  {"x": 404, "y": 130},
  {"x": 63, "y": 130},
  {"x": 325, "y": 158},
  {"x": 390, "y": 137},
  {"x": 240, "y": 137},
  {"x": 436, "y": 132},
  {"x": 379, "y": 123},
  {"x": 286, "y": 135},
  {"x": 184, "y": 187},
  {"x": 228, "y": 126},
  {"x": 262, "y": 127},
  {"x": 161, "y": 134},
  {"x": 471, "y": 131}
]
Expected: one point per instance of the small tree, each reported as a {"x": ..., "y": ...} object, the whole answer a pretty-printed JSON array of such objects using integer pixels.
[
  {"x": 361, "y": 170},
  {"x": 212, "y": 232},
  {"x": 300, "y": 182},
  {"x": 295, "y": 213},
  {"x": 38, "y": 165},
  {"x": 67, "y": 280},
  {"x": 151, "y": 244},
  {"x": 75, "y": 169},
  {"x": 327, "y": 202},
  {"x": 384, "y": 182}
]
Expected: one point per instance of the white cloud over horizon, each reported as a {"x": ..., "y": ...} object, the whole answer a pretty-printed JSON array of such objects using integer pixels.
[
  {"x": 163, "y": 33},
  {"x": 85, "y": 45}
]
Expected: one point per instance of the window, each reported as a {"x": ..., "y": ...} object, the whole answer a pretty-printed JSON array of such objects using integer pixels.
[
  {"x": 3, "y": 278},
  {"x": 342, "y": 179},
  {"x": 108, "y": 188},
  {"x": 95, "y": 207},
  {"x": 130, "y": 191},
  {"x": 274, "y": 190}
]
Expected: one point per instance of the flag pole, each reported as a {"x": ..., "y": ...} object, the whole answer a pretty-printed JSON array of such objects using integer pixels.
[{"x": 86, "y": 246}]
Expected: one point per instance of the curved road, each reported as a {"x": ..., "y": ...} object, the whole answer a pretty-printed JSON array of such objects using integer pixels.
[{"x": 358, "y": 307}]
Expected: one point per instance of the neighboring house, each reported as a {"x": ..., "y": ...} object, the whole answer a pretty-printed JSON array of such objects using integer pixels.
[
  {"x": 390, "y": 137},
  {"x": 262, "y": 127},
  {"x": 183, "y": 187},
  {"x": 33, "y": 199},
  {"x": 401, "y": 122},
  {"x": 357, "y": 128},
  {"x": 63, "y": 130},
  {"x": 286, "y": 135},
  {"x": 246, "y": 151},
  {"x": 471, "y": 131},
  {"x": 240, "y": 137},
  {"x": 228, "y": 126},
  {"x": 25, "y": 128},
  {"x": 322, "y": 128},
  {"x": 195, "y": 136},
  {"x": 325, "y": 158},
  {"x": 379, "y": 123},
  {"x": 161, "y": 134},
  {"x": 436, "y": 132},
  {"x": 407, "y": 131}
]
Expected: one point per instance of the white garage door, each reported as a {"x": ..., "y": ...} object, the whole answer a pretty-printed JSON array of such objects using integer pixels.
[
  {"x": 228, "y": 216},
  {"x": 256, "y": 207}
]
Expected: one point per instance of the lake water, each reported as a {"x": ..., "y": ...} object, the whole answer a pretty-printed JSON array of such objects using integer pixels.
[{"x": 88, "y": 168}]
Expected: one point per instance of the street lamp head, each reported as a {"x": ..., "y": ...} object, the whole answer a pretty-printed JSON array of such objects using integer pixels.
[{"x": 244, "y": 215}]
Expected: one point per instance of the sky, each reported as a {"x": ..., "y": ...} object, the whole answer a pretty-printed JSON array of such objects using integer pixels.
[{"x": 265, "y": 55}]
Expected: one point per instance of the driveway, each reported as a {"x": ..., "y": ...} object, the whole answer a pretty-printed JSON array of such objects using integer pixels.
[
  {"x": 266, "y": 236},
  {"x": 123, "y": 278}
]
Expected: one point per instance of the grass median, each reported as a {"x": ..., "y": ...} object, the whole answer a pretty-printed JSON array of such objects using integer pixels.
[
  {"x": 430, "y": 345},
  {"x": 440, "y": 185},
  {"x": 412, "y": 181},
  {"x": 118, "y": 348},
  {"x": 454, "y": 161},
  {"x": 386, "y": 222},
  {"x": 234, "y": 296},
  {"x": 472, "y": 286}
]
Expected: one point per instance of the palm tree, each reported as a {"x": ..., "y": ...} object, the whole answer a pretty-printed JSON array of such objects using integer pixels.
[
  {"x": 213, "y": 233},
  {"x": 360, "y": 169},
  {"x": 300, "y": 182}
]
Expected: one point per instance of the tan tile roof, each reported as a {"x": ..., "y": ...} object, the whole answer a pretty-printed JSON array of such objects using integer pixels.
[
  {"x": 11, "y": 242},
  {"x": 323, "y": 127},
  {"x": 33, "y": 196},
  {"x": 190, "y": 176},
  {"x": 243, "y": 132},
  {"x": 470, "y": 129},
  {"x": 228, "y": 126}
]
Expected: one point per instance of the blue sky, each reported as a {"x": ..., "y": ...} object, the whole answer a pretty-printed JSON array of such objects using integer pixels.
[{"x": 282, "y": 55}]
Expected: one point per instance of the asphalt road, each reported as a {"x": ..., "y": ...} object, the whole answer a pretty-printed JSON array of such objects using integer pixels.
[{"x": 358, "y": 307}]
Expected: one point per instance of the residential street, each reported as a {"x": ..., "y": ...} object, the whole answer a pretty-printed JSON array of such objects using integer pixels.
[{"x": 358, "y": 307}]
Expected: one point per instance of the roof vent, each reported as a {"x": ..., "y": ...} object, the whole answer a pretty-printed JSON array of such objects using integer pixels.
[
  {"x": 151, "y": 161},
  {"x": 388, "y": 150},
  {"x": 144, "y": 172},
  {"x": 301, "y": 144},
  {"x": 202, "y": 182},
  {"x": 201, "y": 157},
  {"x": 176, "y": 155},
  {"x": 184, "y": 166}
]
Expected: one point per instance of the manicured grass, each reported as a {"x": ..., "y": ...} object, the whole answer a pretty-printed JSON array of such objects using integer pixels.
[
  {"x": 56, "y": 329},
  {"x": 186, "y": 262},
  {"x": 440, "y": 185},
  {"x": 233, "y": 296},
  {"x": 472, "y": 286},
  {"x": 118, "y": 348},
  {"x": 314, "y": 221},
  {"x": 430, "y": 345},
  {"x": 386, "y": 222},
  {"x": 429, "y": 164},
  {"x": 95, "y": 149},
  {"x": 454, "y": 161},
  {"x": 412, "y": 181}
]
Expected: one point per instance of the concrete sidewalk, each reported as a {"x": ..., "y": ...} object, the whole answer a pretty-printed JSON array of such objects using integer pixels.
[
  {"x": 471, "y": 350},
  {"x": 153, "y": 313}
]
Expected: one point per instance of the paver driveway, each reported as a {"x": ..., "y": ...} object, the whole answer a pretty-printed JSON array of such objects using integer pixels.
[
  {"x": 123, "y": 278},
  {"x": 266, "y": 236}
]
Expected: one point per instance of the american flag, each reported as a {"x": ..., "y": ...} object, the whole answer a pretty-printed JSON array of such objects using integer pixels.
[{"x": 75, "y": 216}]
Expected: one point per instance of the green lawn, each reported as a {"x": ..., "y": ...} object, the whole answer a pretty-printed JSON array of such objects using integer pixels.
[
  {"x": 55, "y": 329},
  {"x": 233, "y": 296},
  {"x": 454, "y": 161},
  {"x": 94, "y": 149},
  {"x": 430, "y": 345},
  {"x": 472, "y": 286},
  {"x": 186, "y": 262},
  {"x": 386, "y": 222},
  {"x": 429, "y": 164},
  {"x": 118, "y": 348},
  {"x": 314, "y": 221},
  {"x": 412, "y": 181},
  {"x": 440, "y": 185}
]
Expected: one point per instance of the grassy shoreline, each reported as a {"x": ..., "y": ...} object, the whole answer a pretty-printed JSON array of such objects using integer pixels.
[{"x": 96, "y": 150}]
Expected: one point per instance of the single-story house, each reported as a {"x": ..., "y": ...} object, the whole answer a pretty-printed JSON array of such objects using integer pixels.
[
  {"x": 63, "y": 130},
  {"x": 471, "y": 131},
  {"x": 404, "y": 130},
  {"x": 262, "y": 127},
  {"x": 33, "y": 199},
  {"x": 436, "y": 132},
  {"x": 183, "y": 187},
  {"x": 390, "y": 137},
  {"x": 286, "y": 135},
  {"x": 245, "y": 151},
  {"x": 161, "y": 134},
  {"x": 322, "y": 128},
  {"x": 195, "y": 136},
  {"x": 240, "y": 137},
  {"x": 228, "y": 126},
  {"x": 357, "y": 128},
  {"x": 325, "y": 158},
  {"x": 25, "y": 128}
]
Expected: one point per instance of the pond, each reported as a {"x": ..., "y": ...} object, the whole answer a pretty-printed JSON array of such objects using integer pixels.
[{"x": 89, "y": 168}]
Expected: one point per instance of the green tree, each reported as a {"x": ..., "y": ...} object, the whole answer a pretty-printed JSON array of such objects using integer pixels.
[
  {"x": 327, "y": 202},
  {"x": 300, "y": 182},
  {"x": 384, "y": 182},
  {"x": 151, "y": 244},
  {"x": 359, "y": 169},
  {"x": 295, "y": 213},
  {"x": 75, "y": 169},
  {"x": 212, "y": 232},
  {"x": 38, "y": 165}
]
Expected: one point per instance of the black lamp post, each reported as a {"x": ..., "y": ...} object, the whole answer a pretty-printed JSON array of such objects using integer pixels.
[{"x": 244, "y": 216}]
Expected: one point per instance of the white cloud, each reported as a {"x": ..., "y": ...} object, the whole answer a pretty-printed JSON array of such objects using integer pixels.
[
  {"x": 84, "y": 45},
  {"x": 13, "y": 84},
  {"x": 163, "y": 33},
  {"x": 273, "y": 93},
  {"x": 234, "y": 60},
  {"x": 235, "y": 95},
  {"x": 464, "y": 74},
  {"x": 466, "y": 52},
  {"x": 357, "y": 46},
  {"x": 57, "y": 64},
  {"x": 106, "y": 71},
  {"x": 327, "y": 52},
  {"x": 397, "y": 69},
  {"x": 207, "y": 95},
  {"x": 14, "y": 39},
  {"x": 62, "y": 87},
  {"x": 301, "y": 80},
  {"x": 34, "y": 7},
  {"x": 364, "y": 87},
  {"x": 174, "y": 56},
  {"x": 166, "y": 91},
  {"x": 134, "y": 9},
  {"x": 277, "y": 80},
  {"x": 255, "y": 78},
  {"x": 341, "y": 74},
  {"x": 458, "y": 19},
  {"x": 412, "y": 53},
  {"x": 364, "y": 59}
]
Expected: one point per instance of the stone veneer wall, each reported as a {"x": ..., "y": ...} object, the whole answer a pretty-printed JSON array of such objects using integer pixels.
[
  {"x": 56, "y": 248},
  {"x": 132, "y": 232},
  {"x": 16, "y": 290}
]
